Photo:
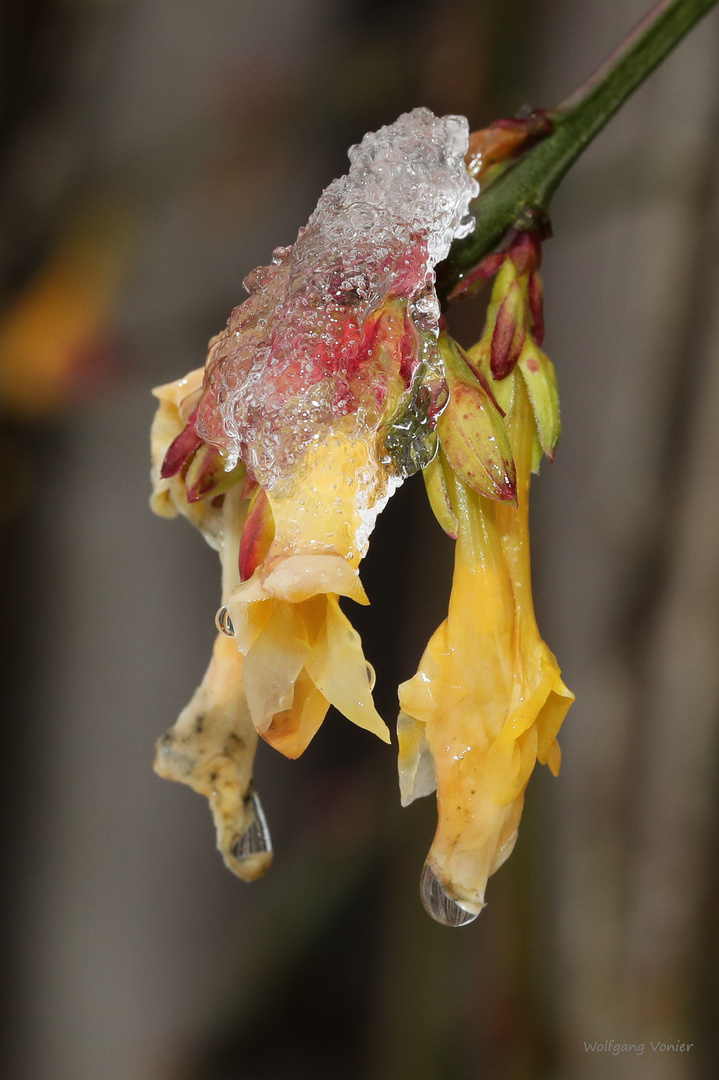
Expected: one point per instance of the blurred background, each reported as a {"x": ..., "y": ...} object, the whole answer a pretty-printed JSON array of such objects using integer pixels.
[{"x": 153, "y": 153}]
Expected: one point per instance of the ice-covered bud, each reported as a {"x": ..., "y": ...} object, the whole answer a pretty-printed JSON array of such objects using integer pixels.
[
  {"x": 328, "y": 384},
  {"x": 301, "y": 356}
]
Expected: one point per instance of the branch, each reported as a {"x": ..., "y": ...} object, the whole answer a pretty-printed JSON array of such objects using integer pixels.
[{"x": 527, "y": 188}]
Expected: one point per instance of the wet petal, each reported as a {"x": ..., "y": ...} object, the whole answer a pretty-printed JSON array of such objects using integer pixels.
[
  {"x": 300, "y": 577},
  {"x": 338, "y": 668},
  {"x": 416, "y": 764},
  {"x": 291, "y": 731},
  {"x": 273, "y": 663}
]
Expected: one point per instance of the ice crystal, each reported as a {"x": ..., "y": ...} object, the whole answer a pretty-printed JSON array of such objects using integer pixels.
[{"x": 299, "y": 355}]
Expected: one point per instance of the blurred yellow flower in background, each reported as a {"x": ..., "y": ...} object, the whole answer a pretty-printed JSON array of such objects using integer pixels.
[{"x": 55, "y": 334}]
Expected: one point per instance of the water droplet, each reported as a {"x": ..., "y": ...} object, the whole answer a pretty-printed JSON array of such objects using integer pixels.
[
  {"x": 256, "y": 838},
  {"x": 223, "y": 622},
  {"x": 438, "y": 904},
  {"x": 371, "y": 675}
]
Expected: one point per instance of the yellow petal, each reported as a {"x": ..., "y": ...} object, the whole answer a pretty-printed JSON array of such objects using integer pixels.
[
  {"x": 416, "y": 764},
  {"x": 338, "y": 668},
  {"x": 291, "y": 731},
  {"x": 488, "y": 699},
  {"x": 274, "y": 662},
  {"x": 249, "y": 609},
  {"x": 300, "y": 577}
]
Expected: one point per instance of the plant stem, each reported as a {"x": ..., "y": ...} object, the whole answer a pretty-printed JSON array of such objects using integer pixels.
[{"x": 529, "y": 185}]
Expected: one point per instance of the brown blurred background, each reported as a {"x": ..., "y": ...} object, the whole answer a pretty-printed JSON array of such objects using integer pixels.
[{"x": 153, "y": 152}]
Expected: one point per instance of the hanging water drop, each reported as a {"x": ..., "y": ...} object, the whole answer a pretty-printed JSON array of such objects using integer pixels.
[
  {"x": 256, "y": 838},
  {"x": 438, "y": 904},
  {"x": 223, "y": 622}
]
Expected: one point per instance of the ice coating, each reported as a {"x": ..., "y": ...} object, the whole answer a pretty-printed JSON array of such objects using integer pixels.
[{"x": 330, "y": 335}]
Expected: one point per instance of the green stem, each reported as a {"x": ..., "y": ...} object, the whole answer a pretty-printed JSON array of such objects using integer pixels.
[{"x": 530, "y": 184}]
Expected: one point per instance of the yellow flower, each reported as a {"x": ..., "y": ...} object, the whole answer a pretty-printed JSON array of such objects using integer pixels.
[
  {"x": 488, "y": 699},
  {"x": 212, "y": 745},
  {"x": 301, "y": 652}
]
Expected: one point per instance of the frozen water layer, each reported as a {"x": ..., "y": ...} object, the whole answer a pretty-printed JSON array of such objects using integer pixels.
[{"x": 319, "y": 339}]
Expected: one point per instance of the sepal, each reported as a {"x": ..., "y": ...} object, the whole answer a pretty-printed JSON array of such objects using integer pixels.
[
  {"x": 541, "y": 382},
  {"x": 471, "y": 430},
  {"x": 206, "y": 473},
  {"x": 438, "y": 495},
  {"x": 257, "y": 535},
  {"x": 509, "y": 333},
  {"x": 180, "y": 451}
]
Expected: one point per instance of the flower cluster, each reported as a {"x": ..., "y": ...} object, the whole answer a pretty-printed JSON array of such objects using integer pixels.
[
  {"x": 487, "y": 700},
  {"x": 332, "y": 383}
]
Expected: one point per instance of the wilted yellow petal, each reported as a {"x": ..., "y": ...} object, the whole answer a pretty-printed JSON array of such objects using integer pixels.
[{"x": 211, "y": 748}]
